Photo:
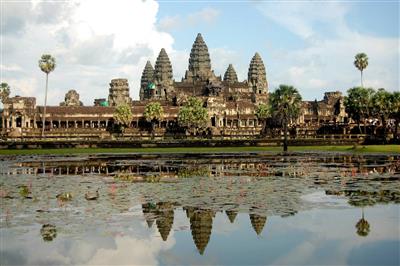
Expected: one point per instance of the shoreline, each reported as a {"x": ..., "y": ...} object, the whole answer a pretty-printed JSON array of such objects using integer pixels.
[{"x": 363, "y": 149}]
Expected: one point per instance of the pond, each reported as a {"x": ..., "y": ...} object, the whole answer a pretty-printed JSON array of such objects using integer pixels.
[{"x": 227, "y": 208}]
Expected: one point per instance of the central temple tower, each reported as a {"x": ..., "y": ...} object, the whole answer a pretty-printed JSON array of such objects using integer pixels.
[{"x": 199, "y": 62}]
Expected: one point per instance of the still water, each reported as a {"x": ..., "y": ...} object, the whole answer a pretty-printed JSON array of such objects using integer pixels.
[{"x": 247, "y": 208}]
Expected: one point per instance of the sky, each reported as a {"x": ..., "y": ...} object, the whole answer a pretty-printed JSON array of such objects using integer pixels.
[{"x": 308, "y": 44}]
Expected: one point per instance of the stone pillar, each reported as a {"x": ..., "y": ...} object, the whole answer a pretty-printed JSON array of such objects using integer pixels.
[
  {"x": 13, "y": 122},
  {"x": 75, "y": 124}
]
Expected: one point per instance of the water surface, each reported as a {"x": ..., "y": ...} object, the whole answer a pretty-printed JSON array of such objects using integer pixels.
[{"x": 247, "y": 208}]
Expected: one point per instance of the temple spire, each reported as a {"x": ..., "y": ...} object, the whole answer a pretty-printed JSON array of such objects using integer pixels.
[
  {"x": 257, "y": 77},
  {"x": 230, "y": 75},
  {"x": 162, "y": 76},
  {"x": 147, "y": 78},
  {"x": 199, "y": 62},
  {"x": 163, "y": 67}
]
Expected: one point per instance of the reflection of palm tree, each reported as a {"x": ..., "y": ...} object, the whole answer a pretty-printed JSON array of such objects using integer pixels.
[
  {"x": 201, "y": 226},
  {"x": 165, "y": 219},
  {"x": 231, "y": 215},
  {"x": 48, "y": 232},
  {"x": 362, "y": 226},
  {"x": 258, "y": 222}
]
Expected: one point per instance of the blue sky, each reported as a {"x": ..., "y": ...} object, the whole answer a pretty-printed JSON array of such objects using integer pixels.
[{"x": 307, "y": 44}]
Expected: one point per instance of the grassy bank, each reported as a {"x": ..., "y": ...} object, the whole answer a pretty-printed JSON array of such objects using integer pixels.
[{"x": 359, "y": 149}]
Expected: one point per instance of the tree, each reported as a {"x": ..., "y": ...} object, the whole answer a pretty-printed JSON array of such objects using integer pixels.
[
  {"x": 47, "y": 64},
  {"x": 263, "y": 112},
  {"x": 153, "y": 113},
  {"x": 361, "y": 62},
  {"x": 395, "y": 111},
  {"x": 193, "y": 115},
  {"x": 123, "y": 115},
  {"x": 358, "y": 104},
  {"x": 285, "y": 103},
  {"x": 4, "y": 92},
  {"x": 362, "y": 226},
  {"x": 381, "y": 107}
]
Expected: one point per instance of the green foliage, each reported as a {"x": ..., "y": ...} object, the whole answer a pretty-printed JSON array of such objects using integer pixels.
[
  {"x": 65, "y": 196},
  {"x": 263, "y": 111},
  {"x": 382, "y": 104},
  {"x": 48, "y": 232},
  {"x": 24, "y": 191},
  {"x": 193, "y": 172},
  {"x": 123, "y": 115},
  {"x": 193, "y": 115},
  {"x": 153, "y": 112},
  {"x": 358, "y": 103},
  {"x": 285, "y": 103},
  {"x": 395, "y": 111},
  {"x": 4, "y": 91},
  {"x": 47, "y": 63}
]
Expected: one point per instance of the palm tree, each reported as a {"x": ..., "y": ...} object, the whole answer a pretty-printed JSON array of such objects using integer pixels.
[
  {"x": 4, "y": 91},
  {"x": 285, "y": 103},
  {"x": 153, "y": 112},
  {"x": 361, "y": 62},
  {"x": 47, "y": 64},
  {"x": 362, "y": 226},
  {"x": 263, "y": 112}
]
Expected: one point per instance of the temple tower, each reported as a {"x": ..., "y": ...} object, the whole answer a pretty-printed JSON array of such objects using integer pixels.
[
  {"x": 119, "y": 92},
  {"x": 230, "y": 75},
  {"x": 165, "y": 219},
  {"x": 199, "y": 62},
  {"x": 257, "y": 222},
  {"x": 147, "y": 82},
  {"x": 257, "y": 77},
  {"x": 163, "y": 77},
  {"x": 201, "y": 226},
  {"x": 231, "y": 215}
]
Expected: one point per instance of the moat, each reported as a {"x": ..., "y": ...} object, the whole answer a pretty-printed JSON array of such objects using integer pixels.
[{"x": 303, "y": 208}]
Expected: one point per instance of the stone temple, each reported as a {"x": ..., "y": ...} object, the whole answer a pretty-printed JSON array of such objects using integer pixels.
[{"x": 231, "y": 103}]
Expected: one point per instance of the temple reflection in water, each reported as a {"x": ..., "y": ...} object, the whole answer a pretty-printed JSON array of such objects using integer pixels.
[
  {"x": 200, "y": 219},
  {"x": 202, "y": 186}
]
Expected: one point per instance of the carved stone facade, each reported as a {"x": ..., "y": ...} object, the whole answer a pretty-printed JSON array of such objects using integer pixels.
[
  {"x": 119, "y": 92},
  {"x": 19, "y": 112},
  {"x": 231, "y": 103},
  {"x": 71, "y": 99}
]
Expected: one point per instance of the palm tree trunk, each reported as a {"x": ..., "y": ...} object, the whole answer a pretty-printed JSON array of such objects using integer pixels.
[
  {"x": 285, "y": 144},
  {"x": 384, "y": 129},
  {"x": 362, "y": 85},
  {"x": 45, "y": 105},
  {"x": 152, "y": 129},
  {"x": 365, "y": 126}
]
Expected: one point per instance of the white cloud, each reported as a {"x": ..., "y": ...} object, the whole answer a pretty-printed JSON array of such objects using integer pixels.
[
  {"x": 326, "y": 62},
  {"x": 90, "y": 47},
  {"x": 206, "y": 15},
  {"x": 170, "y": 22}
]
